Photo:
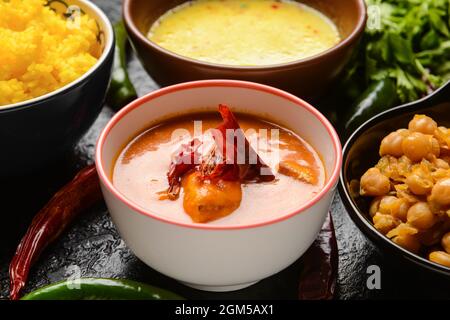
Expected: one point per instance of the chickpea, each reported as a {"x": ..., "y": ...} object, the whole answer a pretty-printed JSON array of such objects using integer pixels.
[
  {"x": 387, "y": 204},
  {"x": 439, "y": 173},
  {"x": 445, "y": 242},
  {"x": 441, "y": 164},
  {"x": 423, "y": 124},
  {"x": 401, "y": 230},
  {"x": 404, "y": 165},
  {"x": 374, "y": 206},
  {"x": 409, "y": 242},
  {"x": 420, "y": 216},
  {"x": 374, "y": 183},
  {"x": 440, "y": 257},
  {"x": 384, "y": 222},
  {"x": 400, "y": 210},
  {"x": 418, "y": 185},
  {"x": 410, "y": 189},
  {"x": 417, "y": 146},
  {"x": 392, "y": 144},
  {"x": 435, "y": 148},
  {"x": 440, "y": 194}
]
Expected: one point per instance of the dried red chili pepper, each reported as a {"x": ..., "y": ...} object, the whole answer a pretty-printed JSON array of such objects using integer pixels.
[
  {"x": 185, "y": 159},
  {"x": 246, "y": 171},
  {"x": 218, "y": 164},
  {"x": 320, "y": 266},
  {"x": 76, "y": 196}
]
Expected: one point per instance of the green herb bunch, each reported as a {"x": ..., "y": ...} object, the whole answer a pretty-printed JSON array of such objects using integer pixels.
[{"x": 407, "y": 41}]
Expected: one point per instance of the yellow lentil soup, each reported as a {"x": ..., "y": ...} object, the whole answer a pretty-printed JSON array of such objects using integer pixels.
[
  {"x": 42, "y": 50},
  {"x": 246, "y": 33}
]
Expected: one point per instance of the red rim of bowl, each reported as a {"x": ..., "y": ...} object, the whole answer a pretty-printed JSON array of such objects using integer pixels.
[
  {"x": 348, "y": 40},
  {"x": 331, "y": 183}
]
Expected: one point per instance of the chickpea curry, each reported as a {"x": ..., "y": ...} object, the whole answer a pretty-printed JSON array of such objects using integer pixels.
[
  {"x": 205, "y": 175},
  {"x": 410, "y": 189}
]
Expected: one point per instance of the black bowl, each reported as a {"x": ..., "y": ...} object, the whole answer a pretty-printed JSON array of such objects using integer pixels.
[
  {"x": 36, "y": 132},
  {"x": 361, "y": 152}
]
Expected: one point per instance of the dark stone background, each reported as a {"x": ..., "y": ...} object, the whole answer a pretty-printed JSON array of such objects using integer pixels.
[{"x": 93, "y": 244}]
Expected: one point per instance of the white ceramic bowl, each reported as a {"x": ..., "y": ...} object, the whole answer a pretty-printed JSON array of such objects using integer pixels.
[{"x": 212, "y": 257}]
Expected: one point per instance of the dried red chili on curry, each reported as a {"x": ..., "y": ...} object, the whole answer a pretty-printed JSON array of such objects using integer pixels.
[
  {"x": 220, "y": 163},
  {"x": 212, "y": 181}
]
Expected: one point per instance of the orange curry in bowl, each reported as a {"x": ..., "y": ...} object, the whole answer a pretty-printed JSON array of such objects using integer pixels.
[{"x": 206, "y": 168}]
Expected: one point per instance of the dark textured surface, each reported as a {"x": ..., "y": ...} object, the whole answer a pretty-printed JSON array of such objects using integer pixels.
[{"x": 93, "y": 245}]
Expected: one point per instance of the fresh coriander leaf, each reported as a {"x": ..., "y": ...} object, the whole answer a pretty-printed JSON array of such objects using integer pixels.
[
  {"x": 438, "y": 22},
  {"x": 430, "y": 40},
  {"x": 401, "y": 48}
]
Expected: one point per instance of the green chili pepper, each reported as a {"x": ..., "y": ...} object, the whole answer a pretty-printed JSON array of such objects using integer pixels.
[
  {"x": 121, "y": 90},
  {"x": 100, "y": 289},
  {"x": 378, "y": 97}
]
